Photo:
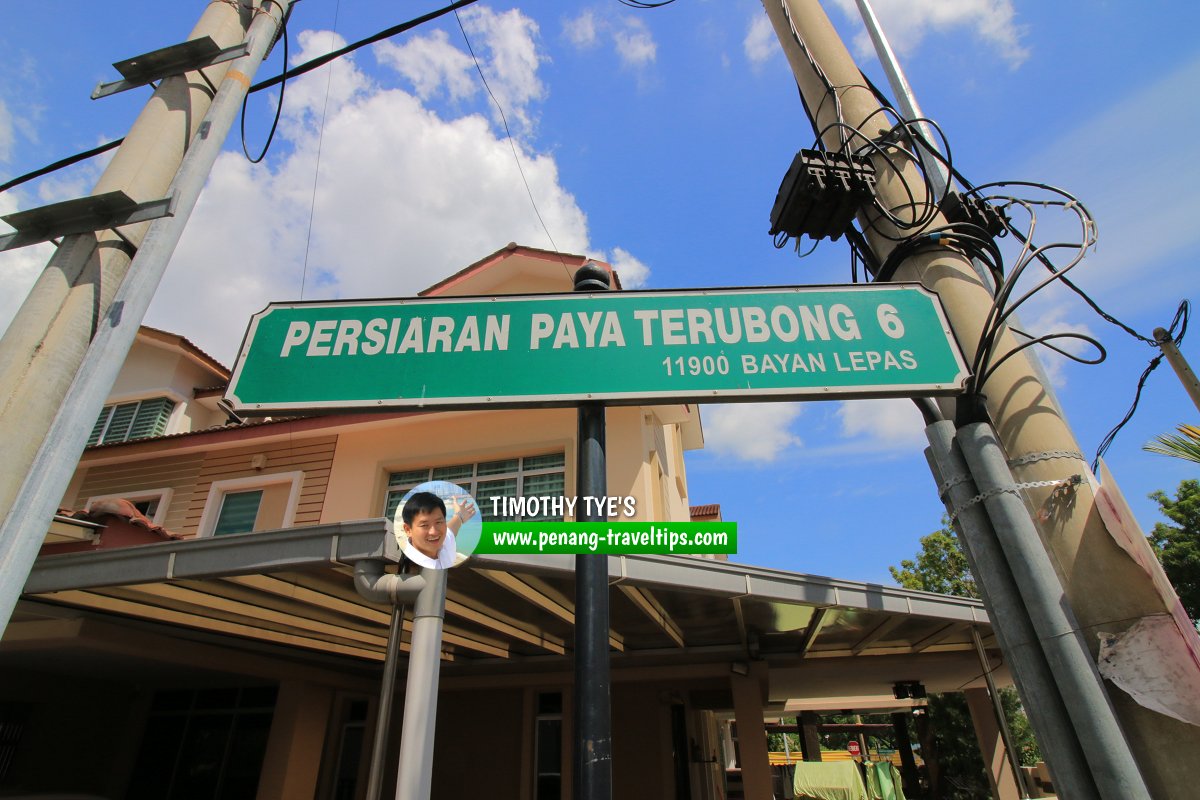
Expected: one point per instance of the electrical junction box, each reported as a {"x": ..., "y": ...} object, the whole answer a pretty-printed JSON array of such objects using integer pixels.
[{"x": 821, "y": 193}]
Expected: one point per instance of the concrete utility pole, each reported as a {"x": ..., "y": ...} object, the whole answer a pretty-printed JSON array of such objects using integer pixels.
[
  {"x": 1104, "y": 587},
  {"x": 67, "y": 342},
  {"x": 1182, "y": 369},
  {"x": 49, "y": 335}
]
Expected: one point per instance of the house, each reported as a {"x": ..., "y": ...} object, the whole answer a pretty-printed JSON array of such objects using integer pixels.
[{"x": 229, "y": 655}]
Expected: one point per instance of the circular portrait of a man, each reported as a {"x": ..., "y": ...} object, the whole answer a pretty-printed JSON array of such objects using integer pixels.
[{"x": 437, "y": 524}]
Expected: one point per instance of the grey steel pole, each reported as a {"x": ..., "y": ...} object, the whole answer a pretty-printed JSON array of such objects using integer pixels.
[
  {"x": 1108, "y": 754},
  {"x": 1009, "y": 617},
  {"x": 387, "y": 695},
  {"x": 935, "y": 170},
  {"x": 1034, "y": 431},
  {"x": 939, "y": 176},
  {"x": 1162, "y": 338},
  {"x": 24, "y": 527},
  {"x": 414, "y": 776},
  {"x": 1010, "y": 750},
  {"x": 592, "y": 757},
  {"x": 49, "y": 336}
]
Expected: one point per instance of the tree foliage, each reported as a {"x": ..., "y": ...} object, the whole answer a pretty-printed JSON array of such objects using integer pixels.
[
  {"x": 941, "y": 566},
  {"x": 1178, "y": 544}
]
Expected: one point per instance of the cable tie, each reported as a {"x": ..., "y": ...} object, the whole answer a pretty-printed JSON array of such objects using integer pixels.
[
  {"x": 1046, "y": 455},
  {"x": 1070, "y": 480}
]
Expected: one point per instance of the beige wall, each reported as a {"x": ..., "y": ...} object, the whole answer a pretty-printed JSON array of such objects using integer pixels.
[
  {"x": 365, "y": 455},
  {"x": 151, "y": 371},
  {"x": 311, "y": 456},
  {"x": 190, "y": 478},
  {"x": 177, "y": 473}
]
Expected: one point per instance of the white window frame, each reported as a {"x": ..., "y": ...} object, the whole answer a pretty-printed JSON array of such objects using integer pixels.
[
  {"x": 471, "y": 483},
  {"x": 164, "y": 497},
  {"x": 218, "y": 490}
]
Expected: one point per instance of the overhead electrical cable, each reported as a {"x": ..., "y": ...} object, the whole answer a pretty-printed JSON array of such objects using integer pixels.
[
  {"x": 300, "y": 69},
  {"x": 312, "y": 206},
  {"x": 283, "y": 34},
  {"x": 511, "y": 142}
]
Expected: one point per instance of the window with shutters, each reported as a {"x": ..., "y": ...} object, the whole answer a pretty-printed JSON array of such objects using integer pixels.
[
  {"x": 238, "y": 512},
  {"x": 255, "y": 503},
  {"x": 121, "y": 422},
  {"x": 525, "y": 476}
]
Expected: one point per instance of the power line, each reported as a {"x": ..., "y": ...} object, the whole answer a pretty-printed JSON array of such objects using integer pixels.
[
  {"x": 312, "y": 207},
  {"x": 511, "y": 142},
  {"x": 296, "y": 71}
]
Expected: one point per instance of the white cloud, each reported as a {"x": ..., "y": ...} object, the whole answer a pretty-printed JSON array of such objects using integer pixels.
[
  {"x": 760, "y": 42},
  {"x": 887, "y": 424},
  {"x": 432, "y": 64},
  {"x": 1048, "y": 316},
  {"x": 582, "y": 30},
  {"x": 755, "y": 432},
  {"x": 6, "y": 132},
  {"x": 635, "y": 44},
  {"x": 404, "y": 197},
  {"x": 907, "y": 22},
  {"x": 339, "y": 81},
  {"x": 633, "y": 273},
  {"x": 631, "y": 38},
  {"x": 506, "y": 44}
]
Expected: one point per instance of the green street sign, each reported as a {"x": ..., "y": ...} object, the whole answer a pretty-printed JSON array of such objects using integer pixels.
[{"x": 617, "y": 347}]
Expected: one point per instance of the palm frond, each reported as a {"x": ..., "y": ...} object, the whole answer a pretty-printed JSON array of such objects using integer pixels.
[{"x": 1185, "y": 446}]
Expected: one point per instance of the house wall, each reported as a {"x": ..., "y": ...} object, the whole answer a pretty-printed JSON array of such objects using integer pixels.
[
  {"x": 365, "y": 455},
  {"x": 311, "y": 456},
  {"x": 152, "y": 371},
  {"x": 191, "y": 476},
  {"x": 177, "y": 473}
]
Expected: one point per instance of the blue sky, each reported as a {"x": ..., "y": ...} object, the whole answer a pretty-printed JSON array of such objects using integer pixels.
[{"x": 656, "y": 140}]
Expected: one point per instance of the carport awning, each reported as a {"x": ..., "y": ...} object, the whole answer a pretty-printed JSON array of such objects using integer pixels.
[{"x": 294, "y": 587}]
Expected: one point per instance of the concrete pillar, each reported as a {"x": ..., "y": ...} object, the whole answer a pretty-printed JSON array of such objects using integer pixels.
[
  {"x": 708, "y": 772},
  {"x": 810, "y": 739},
  {"x": 991, "y": 745},
  {"x": 47, "y": 339},
  {"x": 748, "y": 696},
  {"x": 908, "y": 764},
  {"x": 292, "y": 763}
]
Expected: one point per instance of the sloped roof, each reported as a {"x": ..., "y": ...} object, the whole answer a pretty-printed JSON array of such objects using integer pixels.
[
  {"x": 186, "y": 345},
  {"x": 552, "y": 257}
]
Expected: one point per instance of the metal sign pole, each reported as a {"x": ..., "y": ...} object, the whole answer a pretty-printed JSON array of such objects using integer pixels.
[{"x": 592, "y": 777}]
